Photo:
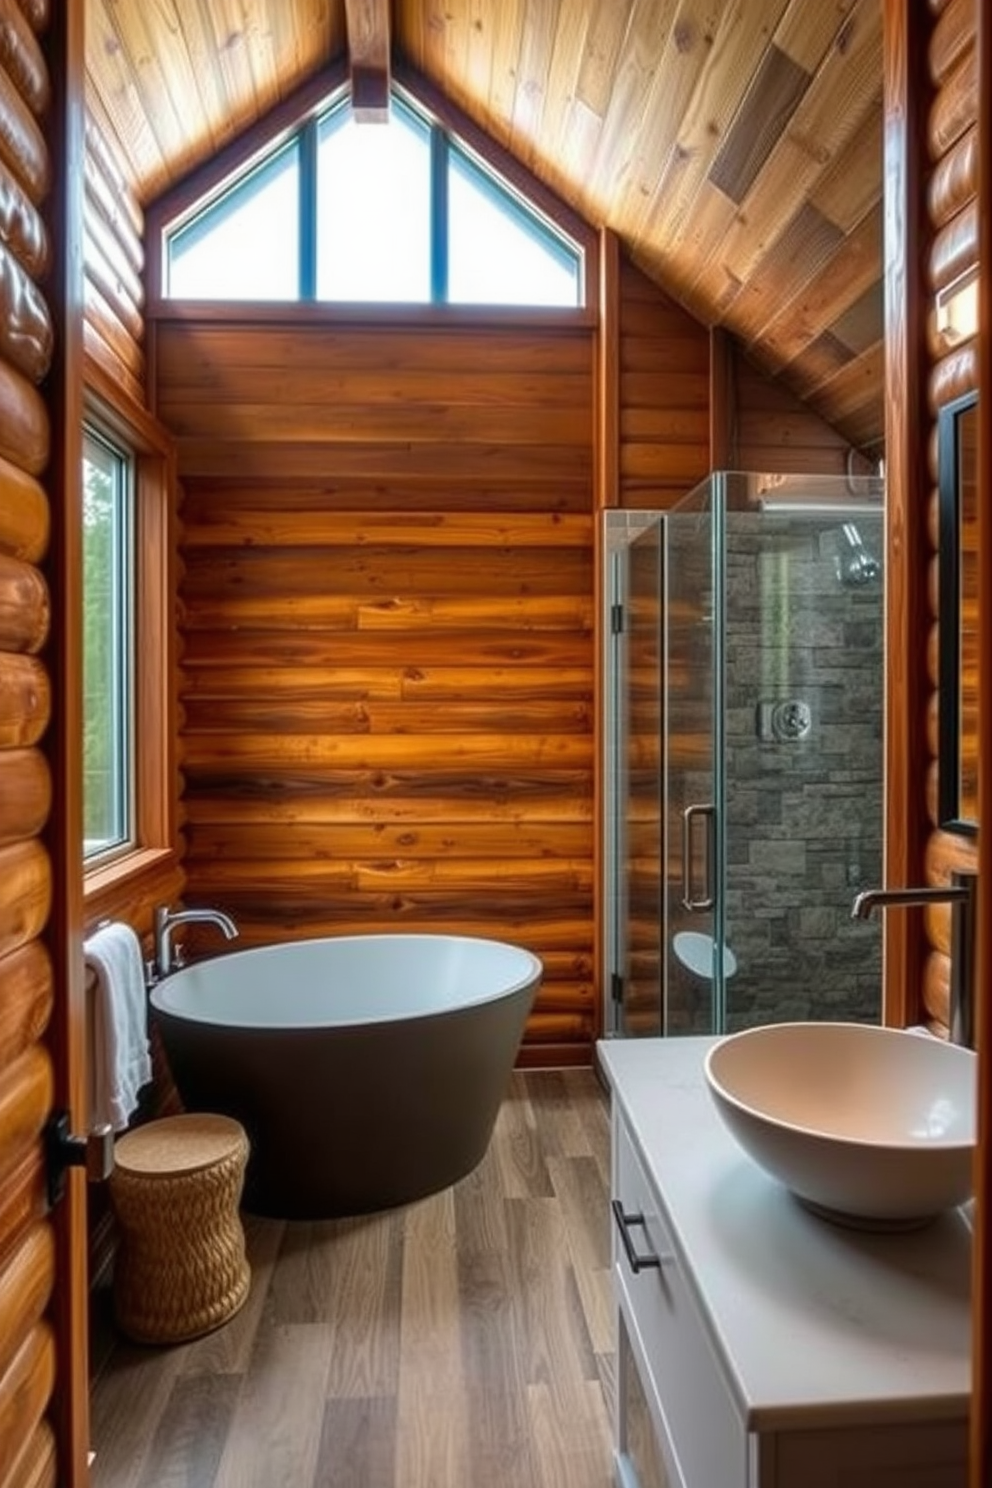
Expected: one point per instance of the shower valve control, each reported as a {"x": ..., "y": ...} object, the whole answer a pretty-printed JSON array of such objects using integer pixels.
[{"x": 784, "y": 721}]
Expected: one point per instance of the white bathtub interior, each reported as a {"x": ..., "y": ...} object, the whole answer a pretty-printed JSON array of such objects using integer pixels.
[{"x": 346, "y": 980}]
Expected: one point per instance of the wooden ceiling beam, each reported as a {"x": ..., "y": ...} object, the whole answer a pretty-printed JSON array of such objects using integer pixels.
[{"x": 368, "y": 51}]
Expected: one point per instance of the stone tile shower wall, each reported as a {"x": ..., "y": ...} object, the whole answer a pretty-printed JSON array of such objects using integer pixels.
[{"x": 804, "y": 816}]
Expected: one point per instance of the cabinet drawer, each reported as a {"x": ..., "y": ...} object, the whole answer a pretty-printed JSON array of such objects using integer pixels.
[{"x": 706, "y": 1436}]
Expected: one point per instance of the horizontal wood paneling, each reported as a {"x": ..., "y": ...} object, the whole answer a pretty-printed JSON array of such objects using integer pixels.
[
  {"x": 25, "y": 700},
  {"x": 955, "y": 107},
  {"x": 773, "y": 430},
  {"x": 24, "y": 514},
  {"x": 731, "y": 149},
  {"x": 27, "y": 1000},
  {"x": 663, "y": 357},
  {"x": 23, "y": 1197},
  {"x": 113, "y": 262},
  {"x": 25, "y": 1101},
  {"x": 37, "y": 1466},
  {"x": 954, "y": 179},
  {"x": 387, "y": 707},
  {"x": 24, "y": 429},
  {"x": 25, "y": 1389},
  {"x": 25, "y": 1286},
  {"x": 25, "y": 795},
  {"x": 25, "y": 323},
  {"x": 363, "y": 655},
  {"x": 953, "y": 35},
  {"x": 24, "y": 609}
]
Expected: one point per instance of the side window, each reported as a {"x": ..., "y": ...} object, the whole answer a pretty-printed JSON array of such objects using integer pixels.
[{"x": 108, "y": 652}]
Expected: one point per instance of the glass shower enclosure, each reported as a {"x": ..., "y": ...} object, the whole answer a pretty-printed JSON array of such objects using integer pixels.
[{"x": 745, "y": 669}]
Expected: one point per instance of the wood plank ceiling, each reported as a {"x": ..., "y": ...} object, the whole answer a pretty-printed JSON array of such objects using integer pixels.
[{"x": 734, "y": 145}]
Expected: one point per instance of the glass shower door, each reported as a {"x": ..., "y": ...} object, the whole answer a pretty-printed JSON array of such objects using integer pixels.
[
  {"x": 801, "y": 755},
  {"x": 641, "y": 1007},
  {"x": 749, "y": 796},
  {"x": 693, "y": 903}
]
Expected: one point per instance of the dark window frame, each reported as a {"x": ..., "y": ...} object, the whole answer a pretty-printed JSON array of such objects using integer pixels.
[{"x": 444, "y": 145}]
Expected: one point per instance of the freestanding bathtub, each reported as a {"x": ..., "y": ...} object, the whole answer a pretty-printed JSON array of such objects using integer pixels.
[{"x": 367, "y": 1070}]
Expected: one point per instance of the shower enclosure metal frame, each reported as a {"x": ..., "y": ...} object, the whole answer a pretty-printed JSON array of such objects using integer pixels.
[{"x": 818, "y": 542}]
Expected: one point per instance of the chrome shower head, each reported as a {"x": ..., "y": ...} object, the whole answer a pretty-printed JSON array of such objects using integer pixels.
[{"x": 856, "y": 566}]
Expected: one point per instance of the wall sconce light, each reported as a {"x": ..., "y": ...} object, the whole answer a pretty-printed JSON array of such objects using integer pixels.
[{"x": 957, "y": 308}]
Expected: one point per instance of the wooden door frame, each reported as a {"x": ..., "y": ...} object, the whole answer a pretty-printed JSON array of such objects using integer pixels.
[
  {"x": 63, "y": 389},
  {"x": 906, "y": 99},
  {"x": 907, "y": 27},
  {"x": 981, "y": 1306}
]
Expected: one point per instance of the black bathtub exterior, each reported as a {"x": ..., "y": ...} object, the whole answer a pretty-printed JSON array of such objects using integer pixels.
[{"x": 349, "y": 1119}]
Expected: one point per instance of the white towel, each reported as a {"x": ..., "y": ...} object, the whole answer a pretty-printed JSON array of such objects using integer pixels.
[{"x": 120, "y": 1061}]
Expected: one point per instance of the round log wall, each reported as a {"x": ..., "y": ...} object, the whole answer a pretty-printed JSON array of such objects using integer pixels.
[
  {"x": 952, "y": 186},
  {"x": 27, "y": 1244}
]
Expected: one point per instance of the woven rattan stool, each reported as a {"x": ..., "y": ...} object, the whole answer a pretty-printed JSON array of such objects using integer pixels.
[{"x": 181, "y": 1268}]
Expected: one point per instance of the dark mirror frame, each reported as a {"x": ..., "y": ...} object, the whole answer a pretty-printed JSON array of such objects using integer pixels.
[{"x": 949, "y": 578}]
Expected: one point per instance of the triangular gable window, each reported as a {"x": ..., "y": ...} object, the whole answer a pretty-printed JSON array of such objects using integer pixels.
[
  {"x": 229, "y": 251},
  {"x": 398, "y": 213}
]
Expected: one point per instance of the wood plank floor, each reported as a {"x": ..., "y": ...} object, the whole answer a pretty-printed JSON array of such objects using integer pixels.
[{"x": 465, "y": 1341}]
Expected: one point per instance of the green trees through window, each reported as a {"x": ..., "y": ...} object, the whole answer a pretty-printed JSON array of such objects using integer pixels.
[{"x": 107, "y": 649}]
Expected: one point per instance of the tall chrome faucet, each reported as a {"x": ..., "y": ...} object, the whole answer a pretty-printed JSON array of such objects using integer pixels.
[
  {"x": 960, "y": 894},
  {"x": 169, "y": 958}
]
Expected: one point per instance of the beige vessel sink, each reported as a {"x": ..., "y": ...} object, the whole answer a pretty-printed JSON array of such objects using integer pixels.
[{"x": 870, "y": 1126}]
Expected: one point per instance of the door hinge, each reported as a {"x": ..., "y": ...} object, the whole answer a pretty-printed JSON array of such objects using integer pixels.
[
  {"x": 94, "y": 1152},
  {"x": 616, "y": 986},
  {"x": 616, "y": 619}
]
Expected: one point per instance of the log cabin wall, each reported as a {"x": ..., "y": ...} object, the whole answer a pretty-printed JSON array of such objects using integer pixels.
[
  {"x": 113, "y": 263},
  {"x": 774, "y": 430},
  {"x": 114, "y": 373},
  {"x": 115, "y": 376},
  {"x": 664, "y": 396},
  {"x": 387, "y": 625},
  {"x": 951, "y": 184},
  {"x": 370, "y": 525},
  {"x": 692, "y": 402},
  {"x": 27, "y": 1238}
]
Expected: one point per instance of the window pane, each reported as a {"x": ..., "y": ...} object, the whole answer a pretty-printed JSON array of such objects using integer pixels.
[
  {"x": 246, "y": 246},
  {"x": 498, "y": 253},
  {"x": 373, "y": 208},
  {"x": 107, "y": 667}
]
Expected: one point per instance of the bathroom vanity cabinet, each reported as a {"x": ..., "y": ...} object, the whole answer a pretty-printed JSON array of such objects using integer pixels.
[{"x": 758, "y": 1345}]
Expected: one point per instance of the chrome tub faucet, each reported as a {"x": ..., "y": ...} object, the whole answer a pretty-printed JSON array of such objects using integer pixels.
[
  {"x": 960, "y": 894},
  {"x": 169, "y": 957}
]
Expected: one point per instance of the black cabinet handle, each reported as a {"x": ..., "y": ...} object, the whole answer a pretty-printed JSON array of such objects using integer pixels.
[{"x": 625, "y": 1222}]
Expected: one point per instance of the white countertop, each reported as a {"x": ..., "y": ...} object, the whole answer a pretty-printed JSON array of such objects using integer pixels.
[{"x": 815, "y": 1324}]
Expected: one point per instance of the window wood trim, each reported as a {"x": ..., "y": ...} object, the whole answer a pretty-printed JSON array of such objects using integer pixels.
[
  {"x": 151, "y": 448},
  {"x": 391, "y": 316},
  {"x": 314, "y": 98},
  {"x": 254, "y": 144},
  {"x": 465, "y": 131}
]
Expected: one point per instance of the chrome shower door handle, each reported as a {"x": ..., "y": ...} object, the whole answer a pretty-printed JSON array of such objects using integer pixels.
[{"x": 689, "y": 900}]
